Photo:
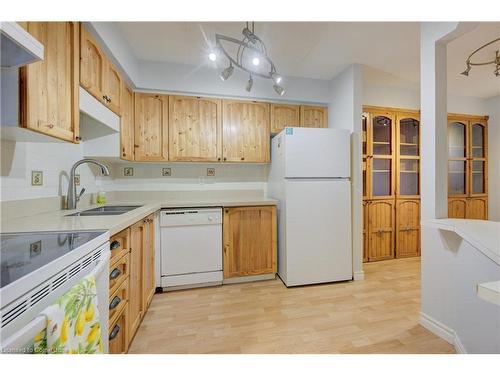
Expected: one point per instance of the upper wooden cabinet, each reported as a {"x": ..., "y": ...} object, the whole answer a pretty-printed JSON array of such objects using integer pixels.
[
  {"x": 313, "y": 116},
  {"x": 127, "y": 124},
  {"x": 151, "y": 127},
  {"x": 194, "y": 129},
  {"x": 49, "y": 88},
  {"x": 249, "y": 241},
  {"x": 97, "y": 74},
  {"x": 283, "y": 115},
  {"x": 246, "y": 131}
]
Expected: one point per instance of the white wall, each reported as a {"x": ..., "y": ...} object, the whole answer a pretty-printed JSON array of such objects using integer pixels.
[
  {"x": 494, "y": 158},
  {"x": 344, "y": 112},
  {"x": 18, "y": 159}
]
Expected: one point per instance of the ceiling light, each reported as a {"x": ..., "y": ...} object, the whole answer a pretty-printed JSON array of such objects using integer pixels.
[
  {"x": 246, "y": 54},
  {"x": 226, "y": 73},
  {"x": 279, "y": 90},
  {"x": 276, "y": 77},
  {"x": 495, "y": 61},
  {"x": 212, "y": 56},
  {"x": 249, "y": 84}
]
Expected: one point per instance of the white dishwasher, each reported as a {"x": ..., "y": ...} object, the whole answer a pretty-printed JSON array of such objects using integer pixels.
[{"x": 191, "y": 247}]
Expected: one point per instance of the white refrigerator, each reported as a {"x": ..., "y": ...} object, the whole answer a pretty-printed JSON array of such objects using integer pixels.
[{"x": 310, "y": 177}]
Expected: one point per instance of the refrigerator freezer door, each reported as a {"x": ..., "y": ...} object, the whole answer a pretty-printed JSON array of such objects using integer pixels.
[
  {"x": 313, "y": 153},
  {"x": 318, "y": 231}
]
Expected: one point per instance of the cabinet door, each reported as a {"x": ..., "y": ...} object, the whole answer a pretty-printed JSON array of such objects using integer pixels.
[
  {"x": 194, "y": 129},
  {"x": 49, "y": 88},
  {"x": 381, "y": 159},
  {"x": 313, "y": 116},
  {"x": 365, "y": 234},
  {"x": 136, "y": 309},
  {"x": 249, "y": 241},
  {"x": 112, "y": 88},
  {"x": 92, "y": 65},
  {"x": 478, "y": 159},
  {"x": 407, "y": 228},
  {"x": 381, "y": 230},
  {"x": 457, "y": 208},
  {"x": 458, "y": 163},
  {"x": 151, "y": 127},
  {"x": 246, "y": 131},
  {"x": 127, "y": 124},
  {"x": 477, "y": 208},
  {"x": 408, "y": 156},
  {"x": 148, "y": 262},
  {"x": 284, "y": 115},
  {"x": 118, "y": 333}
]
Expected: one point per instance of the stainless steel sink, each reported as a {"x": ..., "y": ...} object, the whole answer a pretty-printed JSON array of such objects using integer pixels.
[{"x": 105, "y": 211}]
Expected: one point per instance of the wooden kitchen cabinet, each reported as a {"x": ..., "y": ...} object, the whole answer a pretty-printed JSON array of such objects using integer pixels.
[
  {"x": 249, "y": 241},
  {"x": 313, "y": 116},
  {"x": 151, "y": 127},
  {"x": 137, "y": 239},
  {"x": 407, "y": 228},
  {"x": 118, "y": 332},
  {"x": 148, "y": 262},
  {"x": 246, "y": 131},
  {"x": 380, "y": 230},
  {"x": 195, "y": 129},
  {"x": 284, "y": 115},
  {"x": 49, "y": 88},
  {"x": 98, "y": 75},
  {"x": 127, "y": 124},
  {"x": 467, "y": 167}
]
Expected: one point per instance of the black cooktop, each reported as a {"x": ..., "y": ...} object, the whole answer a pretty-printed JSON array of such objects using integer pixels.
[{"x": 23, "y": 253}]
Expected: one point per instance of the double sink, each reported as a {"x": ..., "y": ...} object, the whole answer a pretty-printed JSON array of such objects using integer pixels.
[{"x": 105, "y": 211}]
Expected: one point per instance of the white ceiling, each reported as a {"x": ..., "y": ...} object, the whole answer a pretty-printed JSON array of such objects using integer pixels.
[{"x": 321, "y": 49}]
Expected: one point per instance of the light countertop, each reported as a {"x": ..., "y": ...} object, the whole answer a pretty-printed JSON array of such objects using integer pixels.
[
  {"x": 484, "y": 235},
  {"x": 58, "y": 221},
  {"x": 490, "y": 292}
]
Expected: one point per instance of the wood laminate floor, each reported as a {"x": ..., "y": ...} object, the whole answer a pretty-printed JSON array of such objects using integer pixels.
[{"x": 377, "y": 315}]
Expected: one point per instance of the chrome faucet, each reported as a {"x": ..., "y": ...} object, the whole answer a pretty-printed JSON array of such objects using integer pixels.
[{"x": 73, "y": 198}]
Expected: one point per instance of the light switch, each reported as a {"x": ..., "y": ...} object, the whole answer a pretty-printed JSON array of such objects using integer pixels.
[
  {"x": 166, "y": 172},
  {"x": 36, "y": 178},
  {"x": 211, "y": 172},
  {"x": 128, "y": 171}
]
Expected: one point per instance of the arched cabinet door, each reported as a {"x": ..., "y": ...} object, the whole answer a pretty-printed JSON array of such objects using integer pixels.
[
  {"x": 457, "y": 208},
  {"x": 408, "y": 156},
  {"x": 407, "y": 228},
  {"x": 478, "y": 162},
  {"x": 381, "y": 230},
  {"x": 458, "y": 163},
  {"x": 381, "y": 159}
]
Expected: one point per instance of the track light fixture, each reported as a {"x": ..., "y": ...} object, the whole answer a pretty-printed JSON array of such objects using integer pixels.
[
  {"x": 249, "y": 54},
  {"x": 495, "y": 61}
]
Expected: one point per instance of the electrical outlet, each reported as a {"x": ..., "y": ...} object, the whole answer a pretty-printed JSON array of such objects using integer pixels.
[
  {"x": 211, "y": 172},
  {"x": 35, "y": 248},
  {"x": 77, "y": 179},
  {"x": 166, "y": 172},
  {"x": 128, "y": 171},
  {"x": 36, "y": 178}
]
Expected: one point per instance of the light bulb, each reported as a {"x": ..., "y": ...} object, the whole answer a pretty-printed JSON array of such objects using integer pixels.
[
  {"x": 279, "y": 90},
  {"x": 212, "y": 56},
  {"x": 255, "y": 61},
  {"x": 249, "y": 84},
  {"x": 276, "y": 78}
]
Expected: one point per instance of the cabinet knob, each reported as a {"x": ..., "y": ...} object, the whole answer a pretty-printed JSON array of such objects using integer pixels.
[
  {"x": 242, "y": 158},
  {"x": 225, "y": 159},
  {"x": 78, "y": 138},
  {"x": 50, "y": 126},
  {"x": 218, "y": 159},
  {"x": 114, "y": 332}
]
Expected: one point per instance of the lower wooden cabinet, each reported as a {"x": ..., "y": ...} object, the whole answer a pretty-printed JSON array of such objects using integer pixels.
[
  {"x": 468, "y": 208},
  {"x": 407, "y": 228},
  {"x": 380, "y": 230},
  {"x": 132, "y": 281},
  {"x": 250, "y": 241},
  {"x": 365, "y": 235}
]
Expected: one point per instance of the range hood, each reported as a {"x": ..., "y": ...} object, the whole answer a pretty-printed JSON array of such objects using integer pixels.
[{"x": 18, "y": 47}]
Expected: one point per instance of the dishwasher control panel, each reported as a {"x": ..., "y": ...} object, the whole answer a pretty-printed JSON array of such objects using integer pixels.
[{"x": 190, "y": 216}]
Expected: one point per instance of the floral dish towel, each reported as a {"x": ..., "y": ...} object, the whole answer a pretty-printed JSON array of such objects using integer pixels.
[{"x": 72, "y": 322}]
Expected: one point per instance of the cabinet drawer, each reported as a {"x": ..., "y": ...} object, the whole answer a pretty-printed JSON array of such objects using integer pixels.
[
  {"x": 118, "y": 272},
  {"x": 117, "y": 300},
  {"x": 119, "y": 244},
  {"x": 118, "y": 333}
]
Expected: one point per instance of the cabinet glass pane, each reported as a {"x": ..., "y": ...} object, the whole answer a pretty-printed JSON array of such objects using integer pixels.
[
  {"x": 408, "y": 134},
  {"x": 409, "y": 177},
  {"x": 381, "y": 177},
  {"x": 477, "y": 141},
  {"x": 457, "y": 140},
  {"x": 478, "y": 177},
  {"x": 382, "y": 135},
  {"x": 456, "y": 177},
  {"x": 365, "y": 135}
]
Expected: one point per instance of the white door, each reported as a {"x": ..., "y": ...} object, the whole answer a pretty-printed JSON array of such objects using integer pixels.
[
  {"x": 318, "y": 231},
  {"x": 314, "y": 153}
]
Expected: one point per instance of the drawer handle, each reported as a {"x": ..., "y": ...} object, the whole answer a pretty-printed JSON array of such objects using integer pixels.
[
  {"x": 115, "y": 273},
  {"x": 114, "y": 332},
  {"x": 114, "y": 245},
  {"x": 114, "y": 302}
]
